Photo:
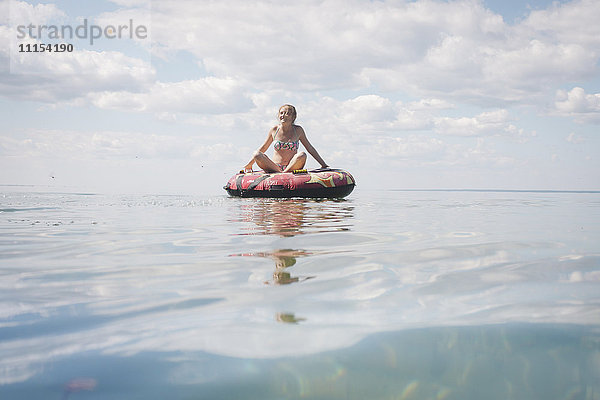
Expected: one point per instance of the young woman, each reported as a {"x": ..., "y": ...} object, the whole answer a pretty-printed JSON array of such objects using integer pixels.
[{"x": 287, "y": 138}]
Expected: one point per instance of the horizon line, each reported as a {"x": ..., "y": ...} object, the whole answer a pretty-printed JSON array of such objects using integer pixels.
[
  {"x": 582, "y": 191},
  {"x": 498, "y": 190}
]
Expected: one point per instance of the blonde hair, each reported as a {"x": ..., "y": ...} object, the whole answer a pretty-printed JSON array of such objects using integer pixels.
[{"x": 291, "y": 107}]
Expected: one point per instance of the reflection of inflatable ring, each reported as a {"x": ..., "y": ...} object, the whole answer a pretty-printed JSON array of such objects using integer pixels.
[{"x": 325, "y": 182}]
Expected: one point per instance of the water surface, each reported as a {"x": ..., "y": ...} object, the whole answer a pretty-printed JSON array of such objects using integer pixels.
[{"x": 383, "y": 295}]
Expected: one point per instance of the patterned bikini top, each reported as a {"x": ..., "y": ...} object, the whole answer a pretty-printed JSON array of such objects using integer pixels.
[{"x": 280, "y": 145}]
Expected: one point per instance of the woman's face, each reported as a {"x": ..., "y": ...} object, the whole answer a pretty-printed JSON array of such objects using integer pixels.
[{"x": 286, "y": 114}]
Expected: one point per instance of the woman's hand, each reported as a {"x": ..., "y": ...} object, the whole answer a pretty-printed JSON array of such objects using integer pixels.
[{"x": 248, "y": 168}]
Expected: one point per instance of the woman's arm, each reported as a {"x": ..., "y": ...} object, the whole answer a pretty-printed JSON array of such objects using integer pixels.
[
  {"x": 268, "y": 140},
  {"x": 262, "y": 148},
  {"x": 311, "y": 150}
]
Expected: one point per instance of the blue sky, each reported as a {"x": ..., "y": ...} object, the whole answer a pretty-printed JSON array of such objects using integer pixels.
[{"x": 403, "y": 94}]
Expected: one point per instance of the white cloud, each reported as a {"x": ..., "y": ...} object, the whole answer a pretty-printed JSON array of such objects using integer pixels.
[
  {"x": 410, "y": 147},
  {"x": 58, "y": 77},
  {"x": 23, "y": 13},
  {"x": 574, "y": 138},
  {"x": 487, "y": 123},
  {"x": 206, "y": 96},
  {"x": 447, "y": 50},
  {"x": 422, "y": 150},
  {"x": 67, "y": 76},
  {"x": 568, "y": 22},
  {"x": 431, "y": 104},
  {"x": 329, "y": 46},
  {"x": 53, "y": 77},
  {"x": 370, "y": 114},
  {"x": 135, "y": 18},
  {"x": 537, "y": 65},
  {"x": 458, "y": 49},
  {"x": 584, "y": 108},
  {"x": 132, "y": 3},
  {"x": 77, "y": 145},
  {"x": 367, "y": 109},
  {"x": 503, "y": 65}
]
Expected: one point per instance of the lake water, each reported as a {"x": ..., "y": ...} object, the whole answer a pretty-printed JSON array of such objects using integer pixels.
[{"x": 383, "y": 295}]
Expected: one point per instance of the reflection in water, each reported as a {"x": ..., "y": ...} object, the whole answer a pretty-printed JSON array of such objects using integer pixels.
[
  {"x": 78, "y": 385},
  {"x": 288, "y": 318},
  {"x": 281, "y": 277},
  {"x": 284, "y": 259},
  {"x": 290, "y": 217}
]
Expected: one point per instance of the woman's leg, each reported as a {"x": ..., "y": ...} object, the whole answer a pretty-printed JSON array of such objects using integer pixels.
[
  {"x": 265, "y": 163},
  {"x": 297, "y": 162}
]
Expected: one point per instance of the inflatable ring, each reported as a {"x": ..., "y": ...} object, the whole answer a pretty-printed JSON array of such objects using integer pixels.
[{"x": 318, "y": 183}]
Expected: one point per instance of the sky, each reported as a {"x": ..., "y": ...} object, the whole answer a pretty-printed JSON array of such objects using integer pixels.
[{"x": 464, "y": 94}]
